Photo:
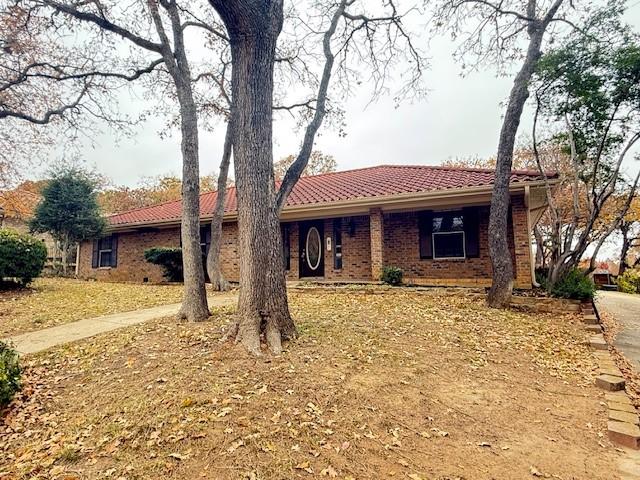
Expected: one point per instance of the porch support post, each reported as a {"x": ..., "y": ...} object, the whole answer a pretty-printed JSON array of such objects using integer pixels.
[{"x": 376, "y": 229}]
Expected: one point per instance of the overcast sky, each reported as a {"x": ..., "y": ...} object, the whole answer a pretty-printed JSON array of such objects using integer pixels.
[{"x": 460, "y": 117}]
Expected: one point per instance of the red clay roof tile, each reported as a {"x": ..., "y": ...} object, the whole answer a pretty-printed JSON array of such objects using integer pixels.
[{"x": 368, "y": 182}]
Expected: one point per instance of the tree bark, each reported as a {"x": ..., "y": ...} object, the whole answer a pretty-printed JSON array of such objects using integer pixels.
[
  {"x": 218, "y": 282},
  {"x": 501, "y": 263},
  {"x": 626, "y": 243},
  {"x": 65, "y": 256},
  {"x": 539, "y": 248},
  {"x": 194, "y": 304},
  {"x": 253, "y": 28}
]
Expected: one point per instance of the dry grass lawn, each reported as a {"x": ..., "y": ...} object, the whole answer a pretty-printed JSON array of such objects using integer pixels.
[
  {"x": 54, "y": 301},
  {"x": 399, "y": 386}
]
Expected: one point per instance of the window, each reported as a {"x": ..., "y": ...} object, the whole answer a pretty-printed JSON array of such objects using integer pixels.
[
  {"x": 105, "y": 252},
  {"x": 337, "y": 244},
  {"x": 450, "y": 235}
]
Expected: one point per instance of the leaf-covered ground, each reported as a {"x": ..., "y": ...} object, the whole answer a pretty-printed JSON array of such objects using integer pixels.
[
  {"x": 401, "y": 385},
  {"x": 54, "y": 301}
]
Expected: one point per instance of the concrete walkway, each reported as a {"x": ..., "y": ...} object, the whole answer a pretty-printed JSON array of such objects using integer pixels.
[
  {"x": 625, "y": 308},
  {"x": 40, "y": 340}
]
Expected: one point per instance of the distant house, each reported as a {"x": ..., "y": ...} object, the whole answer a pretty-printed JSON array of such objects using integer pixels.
[
  {"x": 602, "y": 276},
  {"x": 346, "y": 226}
]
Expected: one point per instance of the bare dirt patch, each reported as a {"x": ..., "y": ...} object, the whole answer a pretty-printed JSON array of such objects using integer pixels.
[
  {"x": 401, "y": 385},
  {"x": 54, "y": 301}
]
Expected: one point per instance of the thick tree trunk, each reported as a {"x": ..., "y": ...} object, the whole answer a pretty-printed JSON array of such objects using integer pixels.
[
  {"x": 218, "y": 282},
  {"x": 262, "y": 306},
  {"x": 502, "y": 286},
  {"x": 279, "y": 323}
]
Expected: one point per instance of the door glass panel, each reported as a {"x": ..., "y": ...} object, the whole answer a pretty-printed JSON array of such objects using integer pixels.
[{"x": 314, "y": 244}]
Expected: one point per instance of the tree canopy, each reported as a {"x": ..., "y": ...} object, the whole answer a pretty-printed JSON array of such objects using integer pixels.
[
  {"x": 587, "y": 93},
  {"x": 69, "y": 209}
]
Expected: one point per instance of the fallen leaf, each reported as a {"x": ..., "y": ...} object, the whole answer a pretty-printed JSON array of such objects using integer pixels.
[{"x": 329, "y": 472}]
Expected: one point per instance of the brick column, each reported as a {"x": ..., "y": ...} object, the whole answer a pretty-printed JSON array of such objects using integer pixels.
[
  {"x": 522, "y": 243},
  {"x": 376, "y": 229}
]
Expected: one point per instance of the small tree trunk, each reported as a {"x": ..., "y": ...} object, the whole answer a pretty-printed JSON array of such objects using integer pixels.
[
  {"x": 194, "y": 305},
  {"x": 502, "y": 286},
  {"x": 218, "y": 282},
  {"x": 626, "y": 243},
  {"x": 65, "y": 256},
  {"x": 539, "y": 248}
]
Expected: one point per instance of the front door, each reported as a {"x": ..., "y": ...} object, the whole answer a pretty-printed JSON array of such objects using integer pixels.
[{"x": 311, "y": 249}]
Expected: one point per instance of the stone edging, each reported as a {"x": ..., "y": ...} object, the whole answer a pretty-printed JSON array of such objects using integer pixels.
[{"x": 623, "y": 422}]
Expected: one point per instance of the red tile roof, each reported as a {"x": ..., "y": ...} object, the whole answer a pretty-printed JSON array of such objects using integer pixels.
[{"x": 371, "y": 182}]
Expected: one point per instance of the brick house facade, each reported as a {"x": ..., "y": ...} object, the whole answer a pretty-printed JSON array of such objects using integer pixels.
[{"x": 436, "y": 236}]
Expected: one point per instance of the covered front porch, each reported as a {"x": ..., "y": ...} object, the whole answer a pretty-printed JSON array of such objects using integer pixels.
[{"x": 433, "y": 246}]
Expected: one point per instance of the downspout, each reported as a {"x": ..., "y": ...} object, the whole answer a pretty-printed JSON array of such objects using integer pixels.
[{"x": 532, "y": 258}]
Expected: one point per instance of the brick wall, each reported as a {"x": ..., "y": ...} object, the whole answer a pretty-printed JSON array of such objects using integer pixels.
[
  {"x": 401, "y": 248},
  {"x": 356, "y": 251},
  {"x": 131, "y": 265},
  {"x": 229, "y": 252}
]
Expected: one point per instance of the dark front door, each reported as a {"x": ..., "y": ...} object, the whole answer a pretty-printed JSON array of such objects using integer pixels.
[{"x": 311, "y": 249}]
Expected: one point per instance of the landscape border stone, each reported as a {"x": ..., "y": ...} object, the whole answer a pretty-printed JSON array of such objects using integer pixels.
[{"x": 623, "y": 421}]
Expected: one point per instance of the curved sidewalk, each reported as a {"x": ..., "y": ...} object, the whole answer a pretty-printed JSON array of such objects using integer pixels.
[{"x": 33, "y": 342}]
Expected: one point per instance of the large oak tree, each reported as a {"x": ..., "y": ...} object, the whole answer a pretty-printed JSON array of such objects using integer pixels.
[{"x": 254, "y": 28}]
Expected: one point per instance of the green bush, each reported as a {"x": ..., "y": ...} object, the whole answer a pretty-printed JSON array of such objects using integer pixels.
[
  {"x": 170, "y": 259},
  {"x": 574, "y": 284},
  {"x": 22, "y": 256},
  {"x": 9, "y": 373},
  {"x": 629, "y": 281},
  {"x": 391, "y": 275}
]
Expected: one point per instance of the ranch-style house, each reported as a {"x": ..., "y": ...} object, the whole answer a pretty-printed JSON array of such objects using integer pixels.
[{"x": 432, "y": 222}]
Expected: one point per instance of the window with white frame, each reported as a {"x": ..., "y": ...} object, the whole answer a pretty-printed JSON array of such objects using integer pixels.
[{"x": 448, "y": 235}]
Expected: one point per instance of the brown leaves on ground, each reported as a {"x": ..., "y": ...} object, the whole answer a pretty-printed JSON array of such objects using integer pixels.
[
  {"x": 401, "y": 385},
  {"x": 54, "y": 301}
]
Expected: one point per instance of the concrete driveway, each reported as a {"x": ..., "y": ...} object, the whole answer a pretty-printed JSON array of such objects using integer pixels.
[{"x": 625, "y": 308}]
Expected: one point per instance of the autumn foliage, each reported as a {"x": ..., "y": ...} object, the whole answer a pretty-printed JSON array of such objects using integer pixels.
[{"x": 150, "y": 191}]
